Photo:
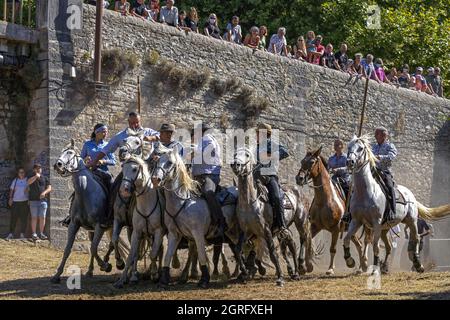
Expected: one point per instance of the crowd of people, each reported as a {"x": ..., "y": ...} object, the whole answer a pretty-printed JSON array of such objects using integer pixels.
[{"x": 310, "y": 48}]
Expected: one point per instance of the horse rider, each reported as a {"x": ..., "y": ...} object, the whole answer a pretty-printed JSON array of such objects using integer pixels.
[
  {"x": 90, "y": 150},
  {"x": 337, "y": 163},
  {"x": 206, "y": 171},
  {"x": 267, "y": 174},
  {"x": 385, "y": 152},
  {"x": 166, "y": 138}
]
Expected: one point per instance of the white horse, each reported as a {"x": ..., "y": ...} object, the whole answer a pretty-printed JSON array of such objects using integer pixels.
[
  {"x": 368, "y": 203},
  {"x": 187, "y": 214}
]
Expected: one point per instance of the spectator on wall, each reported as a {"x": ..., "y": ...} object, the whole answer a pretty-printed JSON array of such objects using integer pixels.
[
  {"x": 278, "y": 44},
  {"x": 252, "y": 39},
  {"x": 356, "y": 67},
  {"x": 182, "y": 22},
  {"x": 153, "y": 9},
  {"x": 379, "y": 71},
  {"x": 404, "y": 79},
  {"x": 320, "y": 50},
  {"x": 169, "y": 14},
  {"x": 434, "y": 81},
  {"x": 234, "y": 31},
  {"x": 39, "y": 187},
  {"x": 369, "y": 68},
  {"x": 328, "y": 58},
  {"x": 412, "y": 83},
  {"x": 139, "y": 10},
  {"x": 94, "y": 3},
  {"x": 341, "y": 57},
  {"x": 211, "y": 28},
  {"x": 122, "y": 6},
  {"x": 192, "y": 20},
  {"x": 310, "y": 45},
  {"x": 392, "y": 76},
  {"x": 421, "y": 83},
  {"x": 262, "y": 38},
  {"x": 300, "y": 49},
  {"x": 18, "y": 203}
]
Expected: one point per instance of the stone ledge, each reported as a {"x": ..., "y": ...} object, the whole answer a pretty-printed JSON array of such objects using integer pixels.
[{"x": 18, "y": 33}]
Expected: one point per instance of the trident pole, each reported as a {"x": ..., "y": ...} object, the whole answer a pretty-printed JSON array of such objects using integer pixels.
[
  {"x": 98, "y": 42},
  {"x": 363, "y": 112}
]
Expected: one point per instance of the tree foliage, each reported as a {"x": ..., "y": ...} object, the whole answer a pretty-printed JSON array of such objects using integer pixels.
[{"x": 416, "y": 32}]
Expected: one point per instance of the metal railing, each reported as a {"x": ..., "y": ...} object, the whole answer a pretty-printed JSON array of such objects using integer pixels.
[{"x": 21, "y": 12}]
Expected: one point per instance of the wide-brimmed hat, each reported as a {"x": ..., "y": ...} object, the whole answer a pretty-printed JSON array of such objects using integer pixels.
[
  {"x": 167, "y": 127},
  {"x": 264, "y": 126}
]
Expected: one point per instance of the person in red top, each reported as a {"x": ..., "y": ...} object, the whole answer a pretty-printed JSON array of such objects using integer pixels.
[{"x": 320, "y": 49}]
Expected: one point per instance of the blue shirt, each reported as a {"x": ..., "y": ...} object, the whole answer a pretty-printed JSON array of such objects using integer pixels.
[
  {"x": 269, "y": 169},
  {"x": 118, "y": 139},
  {"x": 212, "y": 163},
  {"x": 92, "y": 149},
  {"x": 340, "y": 162},
  {"x": 387, "y": 153}
]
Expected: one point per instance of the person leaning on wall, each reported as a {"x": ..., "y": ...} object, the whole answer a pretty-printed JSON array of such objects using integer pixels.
[{"x": 18, "y": 203}]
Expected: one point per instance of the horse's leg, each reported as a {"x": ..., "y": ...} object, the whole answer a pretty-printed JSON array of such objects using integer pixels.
[
  {"x": 194, "y": 262},
  {"x": 250, "y": 263},
  {"x": 108, "y": 253},
  {"x": 98, "y": 234},
  {"x": 217, "y": 248},
  {"x": 237, "y": 250},
  {"x": 303, "y": 252},
  {"x": 236, "y": 267},
  {"x": 283, "y": 249},
  {"x": 352, "y": 229},
  {"x": 134, "y": 252},
  {"x": 185, "y": 273},
  {"x": 225, "y": 269},
  {"x": 203, "y": 259},
  {"x": 368, "y": 239},
  {"x": 274, "y": 256},
  {"x": 72, "y": 232},
  {"x": 413, "y": 244},
  {"x": 176, "y": 261},
  {"x": 358, "y": 245},
  {"x": 173, "y": 239},
  {"x": 293, "y": 249},
  {"x": 376, "y": 247},
  {"x": 334, "y": 239},
  {"x": 90, "y": 272},
  {"x": 117, "y": 227},
  {"x": 388, "y": 247},
  {"x": 156, "y": 250}
]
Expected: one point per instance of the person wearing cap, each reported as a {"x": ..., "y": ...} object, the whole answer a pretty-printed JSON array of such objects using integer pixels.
[
  {"x": 134, "y": 123},
  {"x": 385, "y": 152},
  {"x": 166, "y": 138},
  {"x": 267, "y": 173},
  {"x": 206, "y": 168},
  {"x": 38, "y": 189}
]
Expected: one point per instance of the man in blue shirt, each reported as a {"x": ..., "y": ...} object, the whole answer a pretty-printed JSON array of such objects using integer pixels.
[
  {"x": 385, "y": 152},
  {"x": 206, "y": 169},
  {"x": 338, "y": 166},
  {"x": 267, "y": 174}
]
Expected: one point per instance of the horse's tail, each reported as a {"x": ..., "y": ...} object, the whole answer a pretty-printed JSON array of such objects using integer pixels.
[{"x": 433, "y": 214}]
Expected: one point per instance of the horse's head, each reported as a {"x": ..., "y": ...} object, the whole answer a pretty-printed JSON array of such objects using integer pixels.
[
  {"x": 243, "y": 162},
  {"x": 134, "y": 144},
  {"x": 309, "y": 167},
  {"x": 165, "y": 166},
  {"x": 358, "y": 152},
  {"x": 135, "y": 176},
  {"x": 69, "y": 160}
]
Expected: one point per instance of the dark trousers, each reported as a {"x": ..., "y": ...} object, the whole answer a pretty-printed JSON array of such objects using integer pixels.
[
  {"x": 19, "y": 211},
  {"x": 209, "y": 183},
  {"x": 343, "y": 183},
  {"x": 275, "y": 199},
  {"x": 388, "y": 180}
]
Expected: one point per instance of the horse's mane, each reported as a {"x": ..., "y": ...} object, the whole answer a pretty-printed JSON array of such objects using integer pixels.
[
  {"x": 365, "y": 140},
  {"x": 324, "y": 161},
  {"x": 187, "y": 183}
]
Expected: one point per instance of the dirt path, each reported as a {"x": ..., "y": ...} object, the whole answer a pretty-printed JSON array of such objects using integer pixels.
[{"x": 25, "y": 271}]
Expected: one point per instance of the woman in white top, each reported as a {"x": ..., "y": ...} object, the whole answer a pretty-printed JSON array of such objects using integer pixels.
[{"x": 18, "y": 202}]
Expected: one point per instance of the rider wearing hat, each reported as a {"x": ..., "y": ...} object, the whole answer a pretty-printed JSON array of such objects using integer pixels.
[
  {"x": 268, "y": 174},
  {"x": 206, "y": 169},
  {"x": 165, "y": 137},
  {"x": 385, "y": 152}
]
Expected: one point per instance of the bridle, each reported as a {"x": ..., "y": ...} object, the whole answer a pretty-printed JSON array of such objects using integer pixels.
[
  {"x": 249, "y": 172},
  {"x": 358, "y": 167},
  {"x": 68, "y": 165},
  {"x": 129, "y": 148},
  {"x": 166, "y": 174},
  {"x": 133, "y": 182},
  {"x": 308, "y": 179}
]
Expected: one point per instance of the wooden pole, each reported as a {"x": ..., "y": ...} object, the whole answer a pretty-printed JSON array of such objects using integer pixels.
[
  {"x": 98, "y": 42},
  {"x": 363, "y": 112},
  {"x": 139, "y": 95},
  {"x": 20, "y": 13},
  {"x": 13, "y": 17},
  {"x": 5, "y": 11}
]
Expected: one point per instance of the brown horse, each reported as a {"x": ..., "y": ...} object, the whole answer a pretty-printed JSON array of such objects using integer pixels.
[{"x": 328, "y": 206}]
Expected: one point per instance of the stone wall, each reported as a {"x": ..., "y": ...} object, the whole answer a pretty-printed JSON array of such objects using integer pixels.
[{"x": 310, "y": 104}]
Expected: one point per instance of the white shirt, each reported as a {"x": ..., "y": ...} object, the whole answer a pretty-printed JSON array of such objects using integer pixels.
[{"x": 19, "y": 188}]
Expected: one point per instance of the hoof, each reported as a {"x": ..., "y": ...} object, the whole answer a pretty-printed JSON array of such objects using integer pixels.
[
  {"x": 359, "y": 271},
  {"x": 302, "y": 270},
  {"x": 364, "y": 268},
  {"x": 55, "y": 279},
  {"x": 203, "y": 284},
  {"x": 384, "y": 269},
  {"x": 295, "y": 277},
  {"x": 420, "y": 269},
  {"x": 215, "y": 276},
  {"x": 280, "y": 282},
  {"x": 330, "y": 272},
  {"x": 309, "y": 267},
  {"x": 106, "y": 268},
  {"x": 262, "y": 271},
  {"x": 350, "y": 262},
  {"x": 120, "y": 265},
  {"x": 242, "y": 278},
  {"x": 118, "y": 284}
]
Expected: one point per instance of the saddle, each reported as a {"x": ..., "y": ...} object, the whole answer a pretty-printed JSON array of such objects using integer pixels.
[
  {"x": 226, "y": 195},
  {"x": 340, "y": 191},
  {"x": 263, "y": 195}
]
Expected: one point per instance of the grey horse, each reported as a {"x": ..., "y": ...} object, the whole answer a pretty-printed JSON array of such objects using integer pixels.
[
  {"x": 187, "y": 214},
  {"x": 88, "y": 209},
  {"x": 367, "y": 205},
  {"x": 255, "y": 217}
]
